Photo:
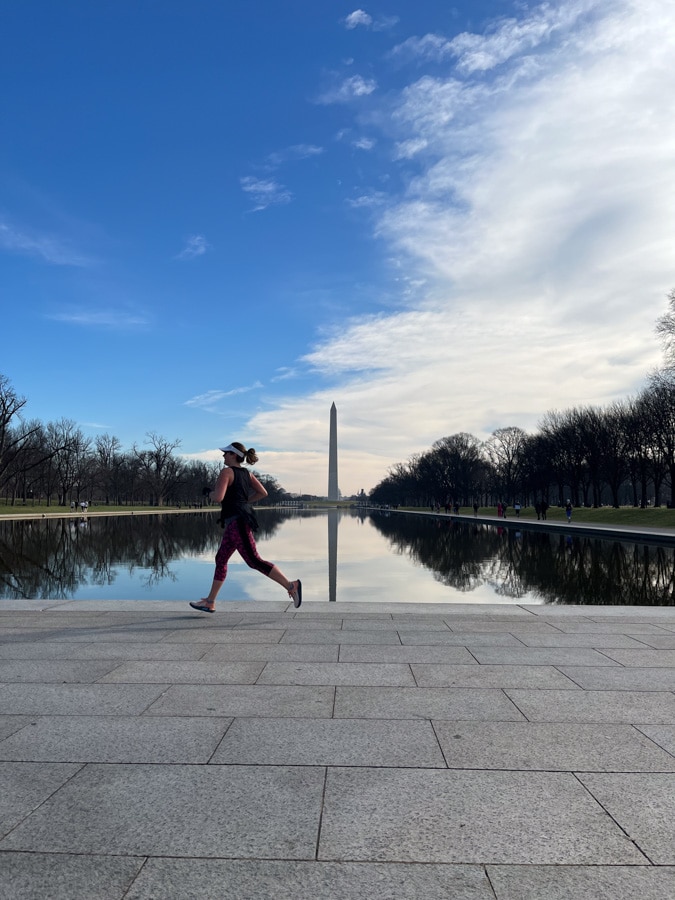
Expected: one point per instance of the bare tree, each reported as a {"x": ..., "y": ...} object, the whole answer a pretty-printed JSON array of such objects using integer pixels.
[
  {"x": 159, "y": 467},
  {"x": 665, "y": 329}
]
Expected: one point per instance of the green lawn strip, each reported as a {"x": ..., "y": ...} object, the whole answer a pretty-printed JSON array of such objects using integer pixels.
[{"x": 652, "y": 517}]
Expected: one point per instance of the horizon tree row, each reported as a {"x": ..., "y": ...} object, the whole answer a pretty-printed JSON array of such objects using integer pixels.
[
  {"x": 57, "y": 464},
  {"x": 620, "y": 454}
]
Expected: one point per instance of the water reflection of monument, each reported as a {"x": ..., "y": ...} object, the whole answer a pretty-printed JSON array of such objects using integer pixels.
[
  {"x": 333, "y": 494},
  {"x": 332, "y": 553}
]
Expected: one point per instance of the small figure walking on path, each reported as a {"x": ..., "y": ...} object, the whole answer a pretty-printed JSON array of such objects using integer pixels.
[
  {"x": 475, "y": 507},
  {"x": 236, "y": 488},
  {"x": 499, "y": 509},
  {"x": 544, "y": 507},
  {"x": 516, "y": 506},
  {"x": 568, "y": 510}
]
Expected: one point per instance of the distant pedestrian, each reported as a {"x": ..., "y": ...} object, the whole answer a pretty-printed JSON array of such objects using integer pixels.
[
  {"x": 568, "y": 510},
  {"x": 516, "y": 507},
  {"x": 544, "y": 507},
  {"x": 236, "y": 488},
  {"x": 475, "y": 507},
  {"x": 537, "y": 509},
  {"x": 499, "y": 509}
]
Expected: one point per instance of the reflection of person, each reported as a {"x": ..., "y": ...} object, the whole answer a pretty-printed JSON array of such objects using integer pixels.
[{"x": 236, "y": 488}]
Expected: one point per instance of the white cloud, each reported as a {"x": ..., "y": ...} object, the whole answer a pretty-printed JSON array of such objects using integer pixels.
[
  {"x": 356, "y": 18},
  {"x": 51, "y": 249},
  {"x": 210, "y": 399},
  {"x": 265, "y": 192},
  {"x": 540, "y": 218},
  {"x": 195, "y": 245},
  {"x": 295, "y": 152},
  {"x": 364, "y": 143},
  {"x": 101, "y": 318},
  {"x": 351, "y": 88},
  {"x": 360, "y": 18}
]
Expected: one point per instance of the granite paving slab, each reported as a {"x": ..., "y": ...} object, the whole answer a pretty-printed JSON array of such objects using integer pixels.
[
  {"x": 331, "y": 742},
  {"x": 171, "y": 672},
  {"x": 273, "y": 652},
  {"x": 480, "y": 626},
  {"x": 644, "y": 806},
  {"x": 540, "y": 677},
  {"x": 620, "y": 678},
  {"x": 577, "y": 882},
  {"x": 57, "y": 876},
  {"x": 389, "y": 674},
  {"x": 10, "y": 724},
  {"x": 101, "y": 650},
  {"x": 183, "y": 811},
  {"x": 459, "y": 638},
  {"x": 644, "y": 658},
  {"x": 588, "y": 627},
  {"x": 115, "y": 739},
  {"x": 409, "y": 653},
  {"x": 595, "y": 641},
  {"x": 59, "y": 671},
  {"x": 542, "y": 656},
  {"x": 392, "y": 624},
  {"x": 215, "y": 635},
  {"x": 657, "y": 641},
  {"x": 426, "y": 703},
  {"x": 90, "y": 635},
  {"x": 433, "y": 816},
  {"x": 25, "y": 786},
  {"x": 663, "y": 735},
  {"x": 77, "y": 699},
  {"x": 264, "y": 879},
  {"x": 244, "y": 700},
  {"x": 339, "y": 636},
  {"x": 550, "y": 747},
  {"x": 633, "y": 707}
]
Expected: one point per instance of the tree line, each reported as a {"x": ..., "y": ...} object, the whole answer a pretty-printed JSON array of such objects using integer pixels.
[
  {"x": 620, "y": 454},
  {"x": 57, "y": 464}
]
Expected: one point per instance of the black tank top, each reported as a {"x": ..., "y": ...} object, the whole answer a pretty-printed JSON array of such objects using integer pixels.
[{"x": 235, "y": 502}]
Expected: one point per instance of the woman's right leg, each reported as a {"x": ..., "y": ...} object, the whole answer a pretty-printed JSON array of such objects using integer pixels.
[{"x": 227, "y": 547}]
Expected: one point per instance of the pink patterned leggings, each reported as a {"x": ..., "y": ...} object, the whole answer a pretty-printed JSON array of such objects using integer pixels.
[{"x": 238, "y": 536}]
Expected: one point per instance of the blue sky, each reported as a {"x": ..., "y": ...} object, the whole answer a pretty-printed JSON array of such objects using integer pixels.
[{"x": 217, "y": 218}]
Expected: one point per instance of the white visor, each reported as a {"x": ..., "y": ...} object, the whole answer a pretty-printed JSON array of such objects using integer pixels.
[{"x": 231, "y": 449}]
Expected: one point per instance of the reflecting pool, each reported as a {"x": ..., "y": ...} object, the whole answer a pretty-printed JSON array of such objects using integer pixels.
[{"x": 340, "y": 556}]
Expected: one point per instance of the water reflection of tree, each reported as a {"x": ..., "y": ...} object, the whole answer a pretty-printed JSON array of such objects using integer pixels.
[
  {"x": 557, "y": 568},
  {"x": 52, "y": 558}
]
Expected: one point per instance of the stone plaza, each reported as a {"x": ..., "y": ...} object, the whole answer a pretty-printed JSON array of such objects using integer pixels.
[{"x": 342, "y": 750}]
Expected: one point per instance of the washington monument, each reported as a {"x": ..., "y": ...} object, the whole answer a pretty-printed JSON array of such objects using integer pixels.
[{"x": 333, "y": 492}]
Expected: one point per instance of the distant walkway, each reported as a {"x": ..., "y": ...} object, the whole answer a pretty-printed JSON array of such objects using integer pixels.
[
  {"x": 342, "y": 750},
  {"x": 620, "y": 532}
]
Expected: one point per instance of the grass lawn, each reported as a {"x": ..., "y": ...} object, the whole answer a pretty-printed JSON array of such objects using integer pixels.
[{"x": 657, "y": 517}]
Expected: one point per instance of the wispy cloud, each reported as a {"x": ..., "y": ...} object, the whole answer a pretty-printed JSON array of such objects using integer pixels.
[
  {"x": 195, "y": 245},
  {"x": 356, "y": 18},
  {"x": 361, "y": 19},
  {"x": 209, "y": 401},
  {"x": 53, "y": 250},
  {"x": 537, "y": 220},
  {"x": 101, "y": 318},
  {"x": 265, "y": 192},
  {"x": 364, "y": 143},
  {"x": 349, "y": 89},
  {"x": 293, "y": 153}
]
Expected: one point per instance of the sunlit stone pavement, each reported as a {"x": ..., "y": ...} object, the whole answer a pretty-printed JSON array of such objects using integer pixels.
[{"x": 341, "y": 750}]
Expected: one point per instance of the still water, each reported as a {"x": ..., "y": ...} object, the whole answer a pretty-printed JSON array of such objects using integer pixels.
[{"x": 340, "y": 555}]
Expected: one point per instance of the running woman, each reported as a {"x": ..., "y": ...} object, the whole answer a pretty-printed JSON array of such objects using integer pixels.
[{"x": 236, "y": 489}]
